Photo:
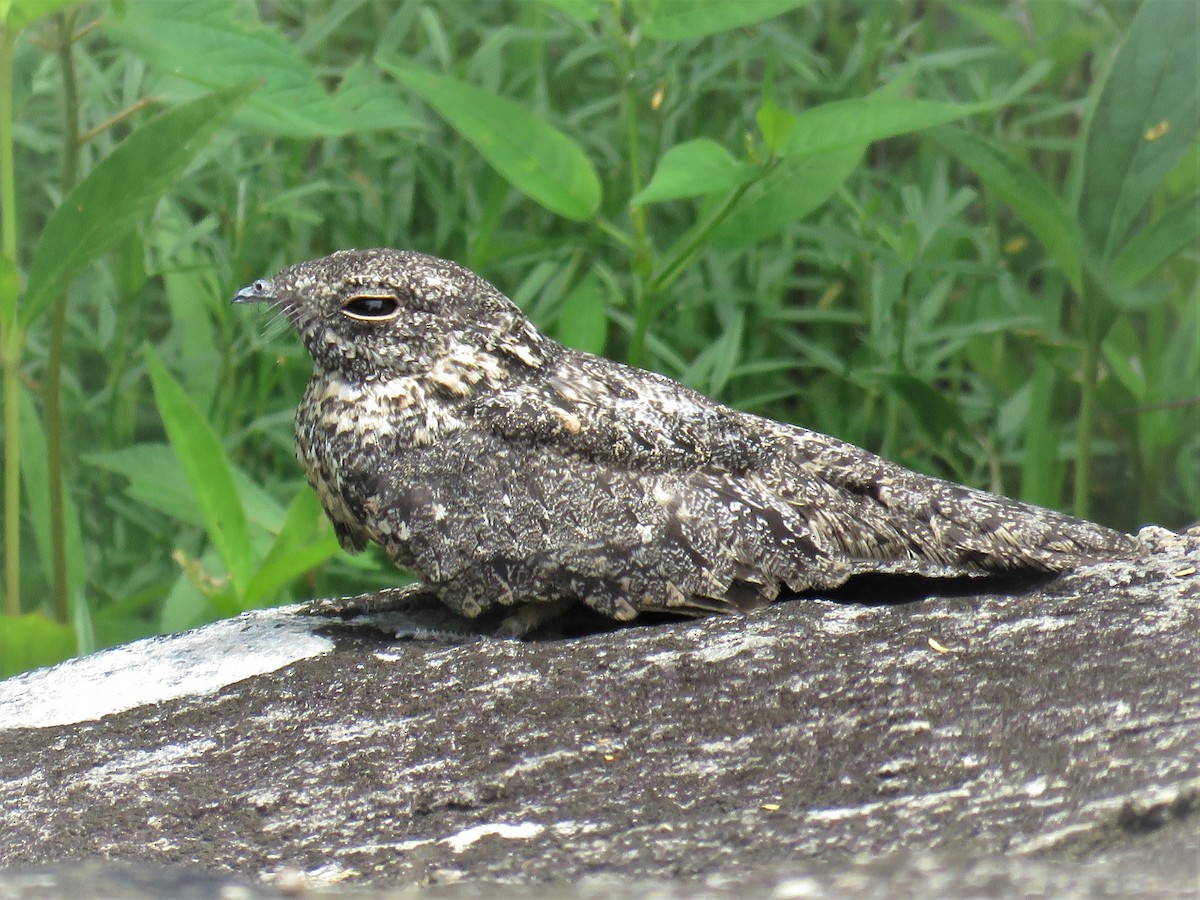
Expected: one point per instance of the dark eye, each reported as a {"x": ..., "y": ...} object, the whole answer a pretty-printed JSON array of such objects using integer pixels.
[{"x": 371, "y": 308}]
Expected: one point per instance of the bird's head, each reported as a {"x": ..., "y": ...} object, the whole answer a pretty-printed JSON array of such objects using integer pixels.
[{"x": 377, "y": 314}]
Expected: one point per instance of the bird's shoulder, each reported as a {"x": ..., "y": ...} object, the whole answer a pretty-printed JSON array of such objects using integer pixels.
[{"x": 603, "y": 410}]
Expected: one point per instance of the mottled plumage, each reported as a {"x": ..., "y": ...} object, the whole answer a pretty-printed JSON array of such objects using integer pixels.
[{"x": 504, "y": 468}]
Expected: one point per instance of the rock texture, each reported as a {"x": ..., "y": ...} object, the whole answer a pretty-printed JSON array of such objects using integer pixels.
[{"x": 1039, "y": 740}]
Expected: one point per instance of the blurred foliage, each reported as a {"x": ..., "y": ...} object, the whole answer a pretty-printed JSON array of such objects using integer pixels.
[{"x": 962, "y": 234}]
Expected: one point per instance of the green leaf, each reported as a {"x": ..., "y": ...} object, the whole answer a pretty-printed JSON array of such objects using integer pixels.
[
  {"x": 1144, "y": 120},
  {"x": 583, "y": 10},
  {"x": 774, "y": 124},
  {"x": 120, "y": 191},
  {"x": 1171, "y": 232},
  {"x": 369, "y": 104},
  {"x": 793, "y": 189},
  {"x": 855, "y": 123},
  {"x": 692, "y": 169},
  {"x": 583, "y": 319},
  {"x": 24, "y": 12},
  {"x": 207, "y": 470},
  {"x": 201, "y": 44},
  {"x": 31, "y": 641},
  {"x": 534, "y": 156},
  {"x": 1014, "y": 182},
  {"x": 674, "y": 20},
  {"x": 35, "y": 474},
  {"x": 157, "y": 481},
  {"x": 299, "y": 547},
  {"x": 10, "y": 289}
]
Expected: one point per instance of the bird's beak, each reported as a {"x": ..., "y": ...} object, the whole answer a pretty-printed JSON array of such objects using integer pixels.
[{"x": 262, "y": 291}]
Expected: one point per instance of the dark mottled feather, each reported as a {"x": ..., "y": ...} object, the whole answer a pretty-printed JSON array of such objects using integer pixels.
[{"x": 505, "y": 468}]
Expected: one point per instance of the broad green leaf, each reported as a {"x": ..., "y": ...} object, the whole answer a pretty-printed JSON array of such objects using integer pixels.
[
  {"x": 793, "y": 189},
  {"x": 534, "y": 156},
  {"x": 30, "y": 641},
  {"x": 674, "y": 20},
  {"x": 1016, "y": 184},
  {"x": 120, "y": 191},
  {"x": 692, "y": 169},
  {"x": 22, "y": 12},
  {"x": 1175, "y": 229},
  {"x": 583, "y": 319},
  {"x": 855, "y": 123},
  {"x": 370, "y": 104},
  {"x": 302, "y": 544},
  {"x": 207, "y": 470},
  {"x": 1144, "y": 120},
  {"x": 35, "y": 474},
  {"x": 157, "y": 481},
  {"x": 202, "y": 44}
]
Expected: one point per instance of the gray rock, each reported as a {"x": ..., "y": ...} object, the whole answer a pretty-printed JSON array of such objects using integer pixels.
[{"x": 1036, "y": 741}]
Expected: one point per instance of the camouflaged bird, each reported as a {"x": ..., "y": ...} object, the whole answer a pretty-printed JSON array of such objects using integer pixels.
[{"x": 504, "y": 468}]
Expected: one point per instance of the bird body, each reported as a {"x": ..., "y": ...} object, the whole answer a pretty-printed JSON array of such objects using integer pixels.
[{"x": 504, "y": 468}]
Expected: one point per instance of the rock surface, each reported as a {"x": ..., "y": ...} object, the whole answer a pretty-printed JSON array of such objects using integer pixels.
[{"x": 1045, "y": 740}]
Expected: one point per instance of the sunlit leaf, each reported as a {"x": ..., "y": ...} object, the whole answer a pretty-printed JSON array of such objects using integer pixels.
[
  {"x": 207, "y": 470},
  {"x": 30, "y": 641},
  {"x": 692, "y": 169},
  {"x": 854, "y": 123},
  {"x": 675, "y": 20},
  {"x": 121, "y": 191},
  {"x": 534, "y": 156},
  {"x": 22, "y": 12},
  {"x": 206, "y": 46}
]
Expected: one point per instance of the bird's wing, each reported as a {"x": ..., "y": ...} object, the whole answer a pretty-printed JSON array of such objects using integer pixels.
[{"x": 763, "y": 503}]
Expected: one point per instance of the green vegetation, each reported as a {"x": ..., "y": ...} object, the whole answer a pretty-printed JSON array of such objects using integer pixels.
[{"x": 962, "y": 234}]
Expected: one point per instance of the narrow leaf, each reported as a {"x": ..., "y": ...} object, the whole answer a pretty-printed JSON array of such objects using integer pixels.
[
  {"x": 207, "y": 470},
  {"x": 1014, "y": 182},
  {"x": 675, "y": 20},
  {"x": 854, "y": 123},
  {"x": 792, "y": 190},
  {"x": 202, "y": 46},
  {"x": 35, "y": 474},
  {"x": 534, "y": 156},
  {"x": 369, "y": 104},
  {"x": 1144, "y": 120},
  {"x": 157, "y": 481},
  {"x": 301, "y": 545},
  {"x": 692, "y": 169},
  {"x": 583, "y": 319},
  {"x": 120, "y": 191},
  {"x": 1177, "y": 228}
]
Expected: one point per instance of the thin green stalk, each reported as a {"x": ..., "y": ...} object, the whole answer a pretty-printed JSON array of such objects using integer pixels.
[
  {"x": 58, "y": 327},
  {"x": 10, "y": 341},
  {"x": 1087, "y": 415}
]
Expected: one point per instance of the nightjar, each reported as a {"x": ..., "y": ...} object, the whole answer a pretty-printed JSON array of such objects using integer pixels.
[{"x": 504, "y": 468}]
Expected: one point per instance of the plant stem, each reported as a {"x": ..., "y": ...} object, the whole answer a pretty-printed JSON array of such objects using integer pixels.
[
  {"x": 10, "y": 340},
  {"x": 1087, "y": 415},
  {"x": 58, "y": 327}
]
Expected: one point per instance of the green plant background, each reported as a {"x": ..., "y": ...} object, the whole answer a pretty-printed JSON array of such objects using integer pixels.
[{"x": 962, "y": 234}]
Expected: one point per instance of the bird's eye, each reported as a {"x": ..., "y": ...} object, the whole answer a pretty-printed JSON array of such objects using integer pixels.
[{"x": 370, "y": 308}]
